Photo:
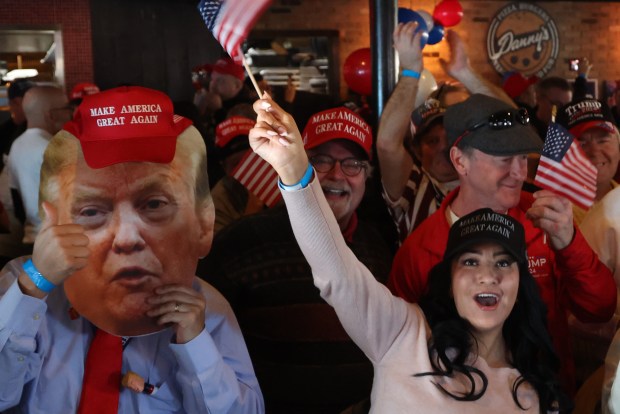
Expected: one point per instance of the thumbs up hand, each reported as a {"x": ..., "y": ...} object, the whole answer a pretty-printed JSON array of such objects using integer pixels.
[{"x": 59, "y": 249}]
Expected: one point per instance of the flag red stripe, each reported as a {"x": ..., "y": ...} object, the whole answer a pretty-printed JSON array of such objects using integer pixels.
[
  {"x": 582, "y": 166},
  {"x": 551, "y": 171},
  {"x": 258, "y": 177},
  {"x": 236, "y": 20},
  {"x": 572, "y": 172},
  {"x": 566, "y": 181},
  {"x": 584, "y": 203}
]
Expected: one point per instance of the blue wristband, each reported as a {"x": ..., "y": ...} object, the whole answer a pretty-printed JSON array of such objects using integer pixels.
[
  {"x": 37, "y": 278},
  {"x": 303, "y": 183},
  {"x": 410, "y": 73}
]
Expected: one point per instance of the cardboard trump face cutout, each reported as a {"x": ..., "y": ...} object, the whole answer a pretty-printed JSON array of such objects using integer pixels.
[{"x": 133, "y": 174}]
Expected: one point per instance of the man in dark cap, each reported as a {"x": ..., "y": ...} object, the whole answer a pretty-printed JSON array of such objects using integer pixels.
[
  {"x": 415, "y": 182},
  {"x": 16, "y": 125},
  {"x": 489, "y": 142}
]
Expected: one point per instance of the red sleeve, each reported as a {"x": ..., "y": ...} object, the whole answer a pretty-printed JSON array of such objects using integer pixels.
[
  {"x": 590, "y": 286},
  {"x": 410, "y": 269}
]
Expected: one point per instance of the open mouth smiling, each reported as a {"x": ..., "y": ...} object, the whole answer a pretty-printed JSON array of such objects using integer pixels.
[{"x": 487, "y": 300}]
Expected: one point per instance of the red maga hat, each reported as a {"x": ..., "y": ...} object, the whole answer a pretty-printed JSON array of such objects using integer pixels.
[
  {"x": 232, "y": 128},
  {"x": 227, "y": 66},
  {"x": 515, "y": 84},
  {"x": 124, "y": 124},
  {"x": 337, "y": 123},
  {"x": 83, "y": 89}
]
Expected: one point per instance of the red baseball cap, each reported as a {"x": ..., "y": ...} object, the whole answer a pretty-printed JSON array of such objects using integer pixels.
[
  {"x": 125, "y": 124},
  {"x": 227, "y": 66},
  {"x": 80, "y": 90},
  {"x": 337, "y": 123},
  {"x": 515, "y": 84},
  {"x": 232, "y": 128}
]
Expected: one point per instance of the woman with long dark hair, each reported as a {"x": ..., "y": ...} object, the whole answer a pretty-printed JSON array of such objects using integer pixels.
[{"x": 478, "y": 343}]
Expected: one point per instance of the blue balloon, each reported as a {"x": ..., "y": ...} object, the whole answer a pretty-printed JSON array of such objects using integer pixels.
[
  {"x": 436, "y": 34},
  {"x": 407, "y": 15}
]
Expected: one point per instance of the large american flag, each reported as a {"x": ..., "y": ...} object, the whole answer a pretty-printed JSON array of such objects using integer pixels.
[
  {"x": 565, "y": 169},
  {"x": 258, "y": 177},
  {"x": 230, "y": 21}
]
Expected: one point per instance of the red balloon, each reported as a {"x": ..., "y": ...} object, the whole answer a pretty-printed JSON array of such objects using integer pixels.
[
  {"x": 448, "y": 13},
  {"x": 358, "y": 71}
]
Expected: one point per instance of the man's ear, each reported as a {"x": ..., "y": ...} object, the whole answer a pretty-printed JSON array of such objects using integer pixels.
[
  {"x": 459, "y": 160},
  {"x": 239, "y": 84},
  {"x": 206, "y": 220}
]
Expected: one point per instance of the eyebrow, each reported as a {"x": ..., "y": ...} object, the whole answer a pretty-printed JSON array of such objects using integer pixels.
[
  {"x": 86, "y": 193},
  {"x": 478, "y": 251}
]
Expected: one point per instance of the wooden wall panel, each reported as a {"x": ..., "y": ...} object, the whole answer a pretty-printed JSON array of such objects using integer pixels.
[{"x": 152, "y": 43}]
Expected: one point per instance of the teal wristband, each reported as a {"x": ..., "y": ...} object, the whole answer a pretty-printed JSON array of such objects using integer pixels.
[
  {"x": 37, "y": 278},
  {"x": 303, "y": 183},
  {"x": 410, "y": 73}
]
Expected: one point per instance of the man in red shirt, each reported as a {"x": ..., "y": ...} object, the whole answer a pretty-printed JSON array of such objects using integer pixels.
[{"x": 489, "y": 141}]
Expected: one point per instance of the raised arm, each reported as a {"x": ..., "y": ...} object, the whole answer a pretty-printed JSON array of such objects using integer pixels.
[
  {"x": 394, "y": 160},
  {"x": 367, "y": 310},
  {"x": 460, "y": 69}
]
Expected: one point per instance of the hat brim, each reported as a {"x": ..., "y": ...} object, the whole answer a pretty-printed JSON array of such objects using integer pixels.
[
  {"x": 578, "y": 130},
  {"x": 488, "y": 237},
  {"x": 100, "y": 154},
  {"x": 519, "y": 139},
  {"x": 331, "y": 136}
]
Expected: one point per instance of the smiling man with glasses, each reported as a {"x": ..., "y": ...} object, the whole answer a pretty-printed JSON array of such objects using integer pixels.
[
  {"x": 304, "y": 360},
  {"x": 489, "y": 142}
]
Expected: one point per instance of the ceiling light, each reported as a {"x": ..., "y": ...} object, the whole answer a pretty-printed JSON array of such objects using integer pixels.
[{"x": 20, "y": 73}]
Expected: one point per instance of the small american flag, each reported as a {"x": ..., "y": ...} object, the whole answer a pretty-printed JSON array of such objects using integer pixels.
[
  {"x": 565, "y": 169},
  {"x": 230, "y": 21},
  {"x": 258, "y": 177}
]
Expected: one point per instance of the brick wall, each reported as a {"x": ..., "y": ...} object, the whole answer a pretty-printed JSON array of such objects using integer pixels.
[
  {"x": 72, "y": 17},
  {"x": 585, "y": 28}
]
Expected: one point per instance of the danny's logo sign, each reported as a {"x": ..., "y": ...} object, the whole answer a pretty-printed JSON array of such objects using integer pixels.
[{"x": 522, "y": 38}]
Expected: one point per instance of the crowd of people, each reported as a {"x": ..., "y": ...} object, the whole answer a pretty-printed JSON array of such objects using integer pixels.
[{"x": 143, "y": 274}]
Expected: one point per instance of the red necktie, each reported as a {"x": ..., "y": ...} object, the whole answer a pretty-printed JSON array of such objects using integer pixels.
[{"x": 102, "y": 375}]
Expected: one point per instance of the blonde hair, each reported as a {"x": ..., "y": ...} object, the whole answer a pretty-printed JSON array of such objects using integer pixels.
[{"x": 64, "y": 149}]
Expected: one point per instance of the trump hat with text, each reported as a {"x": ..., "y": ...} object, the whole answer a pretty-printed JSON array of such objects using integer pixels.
[
  {"x": 486, "y": 226},
  {"x": 579, "y": 116},
  {"x": 337, "y": 123},
  {"x": 124, "y": 124},
  {"x": 231, "y": 128},
  {"x": 83, "y": 89}
]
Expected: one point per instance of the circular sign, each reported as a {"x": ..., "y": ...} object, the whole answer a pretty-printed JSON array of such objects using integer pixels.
[{"x": 523, "y": 38}]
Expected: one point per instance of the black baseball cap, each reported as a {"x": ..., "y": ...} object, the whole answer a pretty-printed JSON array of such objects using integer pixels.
[
  {"x": 484, "y": 226},
  {"x": 425, "y": 115},
  {"x": 470, "y": 123},
  {"x": 19, "y": 87},
  {"x": 581, "y": 115}
]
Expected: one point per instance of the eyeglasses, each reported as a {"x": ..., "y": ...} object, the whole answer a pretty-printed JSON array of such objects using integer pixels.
[
  {"x": 499, "y": 120},
  {"x": 351, "y": 167}
]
